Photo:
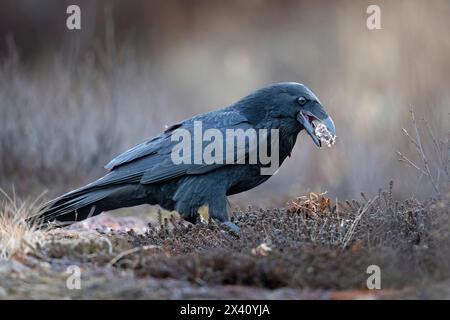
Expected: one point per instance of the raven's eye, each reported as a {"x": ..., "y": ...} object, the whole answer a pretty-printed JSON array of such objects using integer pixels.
[{"x": 302, "y": 101}]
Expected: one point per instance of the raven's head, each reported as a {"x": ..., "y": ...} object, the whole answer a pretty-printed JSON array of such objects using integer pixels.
[
  {"x": 313, "y": 117},
  {"x": 296, "y": 103}
]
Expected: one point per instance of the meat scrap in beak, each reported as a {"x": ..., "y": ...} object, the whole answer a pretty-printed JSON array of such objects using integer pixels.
[
  {"x": 324, "y": 135},
  {"x": 324, "y": 131}
]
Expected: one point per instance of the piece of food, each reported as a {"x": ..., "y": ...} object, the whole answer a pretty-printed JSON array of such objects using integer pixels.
[{"x": 324, "y": 135}]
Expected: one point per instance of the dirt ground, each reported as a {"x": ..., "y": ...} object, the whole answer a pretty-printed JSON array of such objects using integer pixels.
[{"x": 312, "y": 249}]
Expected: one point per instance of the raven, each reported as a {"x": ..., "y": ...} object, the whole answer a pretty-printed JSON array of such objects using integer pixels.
[{"x": 147, "y": 174}]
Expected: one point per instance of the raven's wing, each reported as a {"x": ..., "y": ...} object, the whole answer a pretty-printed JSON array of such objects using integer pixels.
[{"x": 151, "y": 161}]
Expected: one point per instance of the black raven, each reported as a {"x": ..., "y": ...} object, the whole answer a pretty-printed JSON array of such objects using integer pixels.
[{"x": 147, "y": 173}]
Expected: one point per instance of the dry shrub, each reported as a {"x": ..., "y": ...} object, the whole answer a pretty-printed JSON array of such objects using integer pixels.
[
  {"x": 330, "y": 248},
  {"x": 16, "y": 235},
  {"x": 312, "y": 203},
  {"x": 433, "y": 153}
]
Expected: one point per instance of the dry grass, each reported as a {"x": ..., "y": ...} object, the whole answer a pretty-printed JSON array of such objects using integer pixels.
[{"x": 16, "y": 235}]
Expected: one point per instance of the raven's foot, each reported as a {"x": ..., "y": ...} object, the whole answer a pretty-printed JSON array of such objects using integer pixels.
[
  {"x": 232, "y": 228},
  {"x": 204, "y": 217}
]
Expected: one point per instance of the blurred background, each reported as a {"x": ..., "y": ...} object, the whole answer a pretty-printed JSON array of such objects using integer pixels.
[{"x": 70, "y": 100}]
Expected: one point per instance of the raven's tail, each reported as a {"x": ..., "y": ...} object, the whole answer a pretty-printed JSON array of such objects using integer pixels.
[
  {"x": 72, "y": 207},
  {"x": 75, "y": 206}
]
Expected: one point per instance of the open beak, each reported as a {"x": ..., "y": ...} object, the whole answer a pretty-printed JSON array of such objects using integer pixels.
[{"x": 320, "y": 126}]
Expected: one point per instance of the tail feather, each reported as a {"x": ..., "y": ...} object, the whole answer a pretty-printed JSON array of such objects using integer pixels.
[{"x": 73, "y": 206}]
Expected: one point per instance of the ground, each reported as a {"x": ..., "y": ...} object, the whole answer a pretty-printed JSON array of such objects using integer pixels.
[{"x": 311, "y": 249}]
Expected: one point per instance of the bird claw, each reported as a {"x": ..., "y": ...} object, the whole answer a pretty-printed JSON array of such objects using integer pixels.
[{"x": 232, "y": 228}]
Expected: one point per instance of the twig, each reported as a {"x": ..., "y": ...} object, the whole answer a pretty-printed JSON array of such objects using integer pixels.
[
  {"x": 403, "y": 158},
  {"x": 422, "y": 154},
  {"x": 417, "y": 142},
  {"x": 438, "y": 150},
  {"x": 348, "y": 236},
  {"x": 130, "y": 251}
]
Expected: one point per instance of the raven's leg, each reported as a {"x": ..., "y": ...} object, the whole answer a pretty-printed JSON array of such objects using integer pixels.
[
  {"x": 195, "y": 193},
  {"x": 217, "y": 207},
  {"x": 214, "y": 207}
]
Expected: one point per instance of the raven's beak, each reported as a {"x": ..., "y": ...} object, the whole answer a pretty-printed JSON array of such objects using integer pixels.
[{"x": 310, "y": 121}]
